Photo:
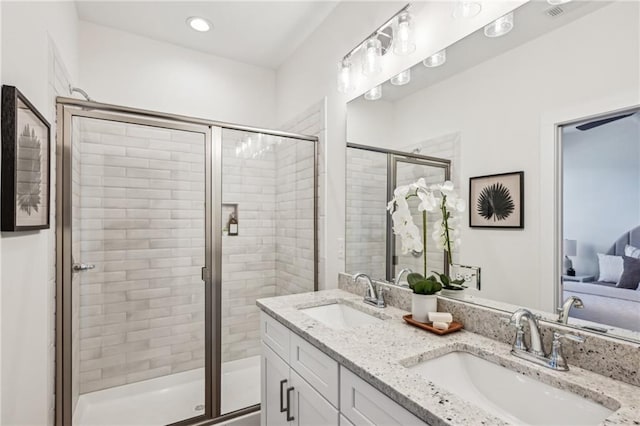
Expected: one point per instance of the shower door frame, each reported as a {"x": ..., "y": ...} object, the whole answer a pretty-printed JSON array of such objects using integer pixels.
[
  {"x": 67, "y": 108},
  {"x": 393, "y": 158}
]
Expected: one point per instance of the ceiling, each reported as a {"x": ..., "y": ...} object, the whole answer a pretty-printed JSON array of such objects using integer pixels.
[{"x": 263, "y": 33}]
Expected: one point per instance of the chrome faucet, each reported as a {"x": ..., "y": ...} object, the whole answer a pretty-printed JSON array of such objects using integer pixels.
[
  {"x": 555, "y": 360},
  {"x": 371, "y": 296},
  {"x": 563, "y": 313},
  {"x": 534, "y": 331},
  {"x": 400, "y": 274}
]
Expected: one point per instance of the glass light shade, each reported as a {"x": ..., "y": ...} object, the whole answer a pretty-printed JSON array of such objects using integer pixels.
[
  {"x": 500, "y": 26},
  {"x": 404, "y": 41},
  {"x": 436, "y": 59},
  {"x": 373, "y": 94},
  {"x": 371, "y": 63},
  {"x": 345, "y": 80},
  {"x": 401, "y": 79},
  {"x": 466, "y": 9}
]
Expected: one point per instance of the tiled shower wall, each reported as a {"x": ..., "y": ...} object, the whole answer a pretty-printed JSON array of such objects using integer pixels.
[
  {"x": 366, "y": 225},
  {"x": 248, "y": 259},
  {"x": 142, "y": 225},
  {"x": 311, "y": 121}
]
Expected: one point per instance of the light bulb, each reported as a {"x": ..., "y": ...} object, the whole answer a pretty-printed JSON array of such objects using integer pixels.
[
  {"x": 436, "y": 59},
  {"x": 345, "y": 82},
  {"x": 199, "y": 24},
  {"x": 374, "y": 94},
  {"x": 466, "y": 9},
  {"x": 500, "y": 26},
  {"x": 404, "y": 39},
  {"x": 372, "y": 53},
  {"x": 401, "y": 79}
]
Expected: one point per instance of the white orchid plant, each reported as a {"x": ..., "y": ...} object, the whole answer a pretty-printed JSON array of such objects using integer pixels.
[{"x": 444, "y": 199}]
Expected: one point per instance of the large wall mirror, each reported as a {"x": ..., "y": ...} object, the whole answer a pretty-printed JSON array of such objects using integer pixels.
[{"x": 553, "y": 84}]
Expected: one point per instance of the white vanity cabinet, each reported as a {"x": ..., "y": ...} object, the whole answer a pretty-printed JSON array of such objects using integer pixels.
[{"x": 302, "y": 386}]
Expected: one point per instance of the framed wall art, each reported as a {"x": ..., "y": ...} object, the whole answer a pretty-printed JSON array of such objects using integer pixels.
[
  {"x": 497, "y": 201},
  {"x": 26, "y": 145}
]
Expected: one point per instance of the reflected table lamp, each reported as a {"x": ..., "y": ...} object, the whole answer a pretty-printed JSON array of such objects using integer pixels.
[{"x": 570, "y": 248}]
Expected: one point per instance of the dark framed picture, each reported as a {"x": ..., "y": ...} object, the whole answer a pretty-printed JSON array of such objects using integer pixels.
[
  {"x": 497, "y": 201},
  {"x": 26, "y": 152}
]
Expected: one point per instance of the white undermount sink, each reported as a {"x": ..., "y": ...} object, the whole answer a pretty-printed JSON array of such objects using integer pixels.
[
  {"x": 509, "y": 395},
  {"x": 340, "y": 316}
]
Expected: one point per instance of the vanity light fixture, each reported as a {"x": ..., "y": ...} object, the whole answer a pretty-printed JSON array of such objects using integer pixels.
[
  {"x": 396, "y": 33},
  {"x": 374, "y": 93},
  {"x": 436, "y": 59},
  {"x": 371, "y": 63},
  {"x": 466, "y": 9},
  {"x": 345, "y": 80},
  {"x": 500, "y": 26},
  {"x": 402, "y": 78},
  {"x": 403, "y": 37},
  {"x": 199, "y": 24}
]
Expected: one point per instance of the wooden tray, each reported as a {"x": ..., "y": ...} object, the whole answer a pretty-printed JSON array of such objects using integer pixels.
[{"x": 454, "y": 326}]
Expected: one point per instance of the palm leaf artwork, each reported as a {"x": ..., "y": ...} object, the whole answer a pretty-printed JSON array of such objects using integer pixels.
[
  {"x": 29, "y": 176},
  {"x": 495, "y": 202}
]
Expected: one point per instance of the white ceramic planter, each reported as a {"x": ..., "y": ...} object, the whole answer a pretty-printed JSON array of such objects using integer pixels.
[{"x": 421, "y": 305}]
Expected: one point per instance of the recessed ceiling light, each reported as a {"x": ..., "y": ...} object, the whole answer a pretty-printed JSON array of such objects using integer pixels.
[
  {"x": 466, "y": 9},
  {"x": 500, "y": 26},
  {"x": 199, "y": 24},
  {"x": 557, "y": 2}
]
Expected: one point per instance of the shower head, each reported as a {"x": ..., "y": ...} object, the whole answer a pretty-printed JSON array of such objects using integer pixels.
[{"x": 73, "y": 90}]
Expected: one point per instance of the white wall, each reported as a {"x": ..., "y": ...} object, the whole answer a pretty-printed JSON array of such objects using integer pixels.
[
  {"x": 498, "y": 107},
  {"x": 601, "y": 178},
  {"x": 26, "y": 261},
  {"x": 126, "y": 69},
  {"x": 310, "y": 75}
]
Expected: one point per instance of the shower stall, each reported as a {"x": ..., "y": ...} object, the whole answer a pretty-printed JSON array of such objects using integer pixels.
[{"x": 169, "y": 228}]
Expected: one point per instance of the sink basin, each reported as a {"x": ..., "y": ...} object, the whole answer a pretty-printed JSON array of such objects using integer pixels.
[
  {"x": 339, "y": 316},
  {"x": 509, "y": 395}
]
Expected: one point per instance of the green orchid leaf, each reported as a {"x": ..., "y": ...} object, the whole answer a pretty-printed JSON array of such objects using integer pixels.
[{"x": 413, "y": 278}]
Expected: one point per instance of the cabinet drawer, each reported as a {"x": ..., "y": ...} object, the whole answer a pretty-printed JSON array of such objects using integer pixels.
[
  {"x": 315, "y": 367},
  {"x": 275, "y": 335},
  {"x": 363, "y": 405}
]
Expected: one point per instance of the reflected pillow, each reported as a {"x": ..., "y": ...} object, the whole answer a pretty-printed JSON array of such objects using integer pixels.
[
  {"x": 611, "y": 268},
  {"x": 632, "y": 251},
  {"x": 631, "y": 274}
]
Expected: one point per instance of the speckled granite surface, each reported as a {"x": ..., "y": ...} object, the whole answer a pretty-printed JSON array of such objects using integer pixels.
[
  {"x": 610, "y": 357},
  {"x": 380, "y": 353}
]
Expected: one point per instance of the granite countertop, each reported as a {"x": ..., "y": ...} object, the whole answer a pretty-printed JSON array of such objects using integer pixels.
[{"x": 379, "y": 353}]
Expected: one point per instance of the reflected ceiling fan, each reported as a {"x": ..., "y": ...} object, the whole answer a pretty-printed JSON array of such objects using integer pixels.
[{"x": 597, "y": 123}]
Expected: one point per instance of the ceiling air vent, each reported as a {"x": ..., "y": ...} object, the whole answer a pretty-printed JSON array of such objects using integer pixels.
[{"x": 554, "y": 11}]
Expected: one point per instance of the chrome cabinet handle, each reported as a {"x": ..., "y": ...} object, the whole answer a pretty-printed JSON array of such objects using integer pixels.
[
  {"x": 282, "y": 407},
  {"x": 79, "y": 267}
]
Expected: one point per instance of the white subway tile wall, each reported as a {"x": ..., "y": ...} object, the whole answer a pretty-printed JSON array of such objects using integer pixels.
[
  {"x": 142, "y": 225},
  {"x": 366, "y": 226},
  {"x": 312, "y": 122}
]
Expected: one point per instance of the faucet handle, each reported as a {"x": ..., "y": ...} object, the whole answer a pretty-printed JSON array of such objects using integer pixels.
[{"x": 557, "y": 336}]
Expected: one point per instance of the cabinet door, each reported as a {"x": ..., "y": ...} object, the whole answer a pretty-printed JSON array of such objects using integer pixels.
[
  {"x": 274, "y": 383},
  {"x": 309, "y": 408}
]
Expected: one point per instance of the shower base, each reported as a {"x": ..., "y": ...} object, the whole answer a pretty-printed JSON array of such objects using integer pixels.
[{"x": 168, "y": 399}]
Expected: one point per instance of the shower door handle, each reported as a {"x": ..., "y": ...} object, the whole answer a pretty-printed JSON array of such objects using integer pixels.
[
  {"x": 282, "y": 407},
  {"x": 79, "y": 267}
]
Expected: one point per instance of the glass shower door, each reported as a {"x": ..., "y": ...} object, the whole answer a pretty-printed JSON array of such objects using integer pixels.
[
  {"x": 408, "y": 171},
  {"x": 268, "y": 246},
  {"x": 138, "y": 242}
]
